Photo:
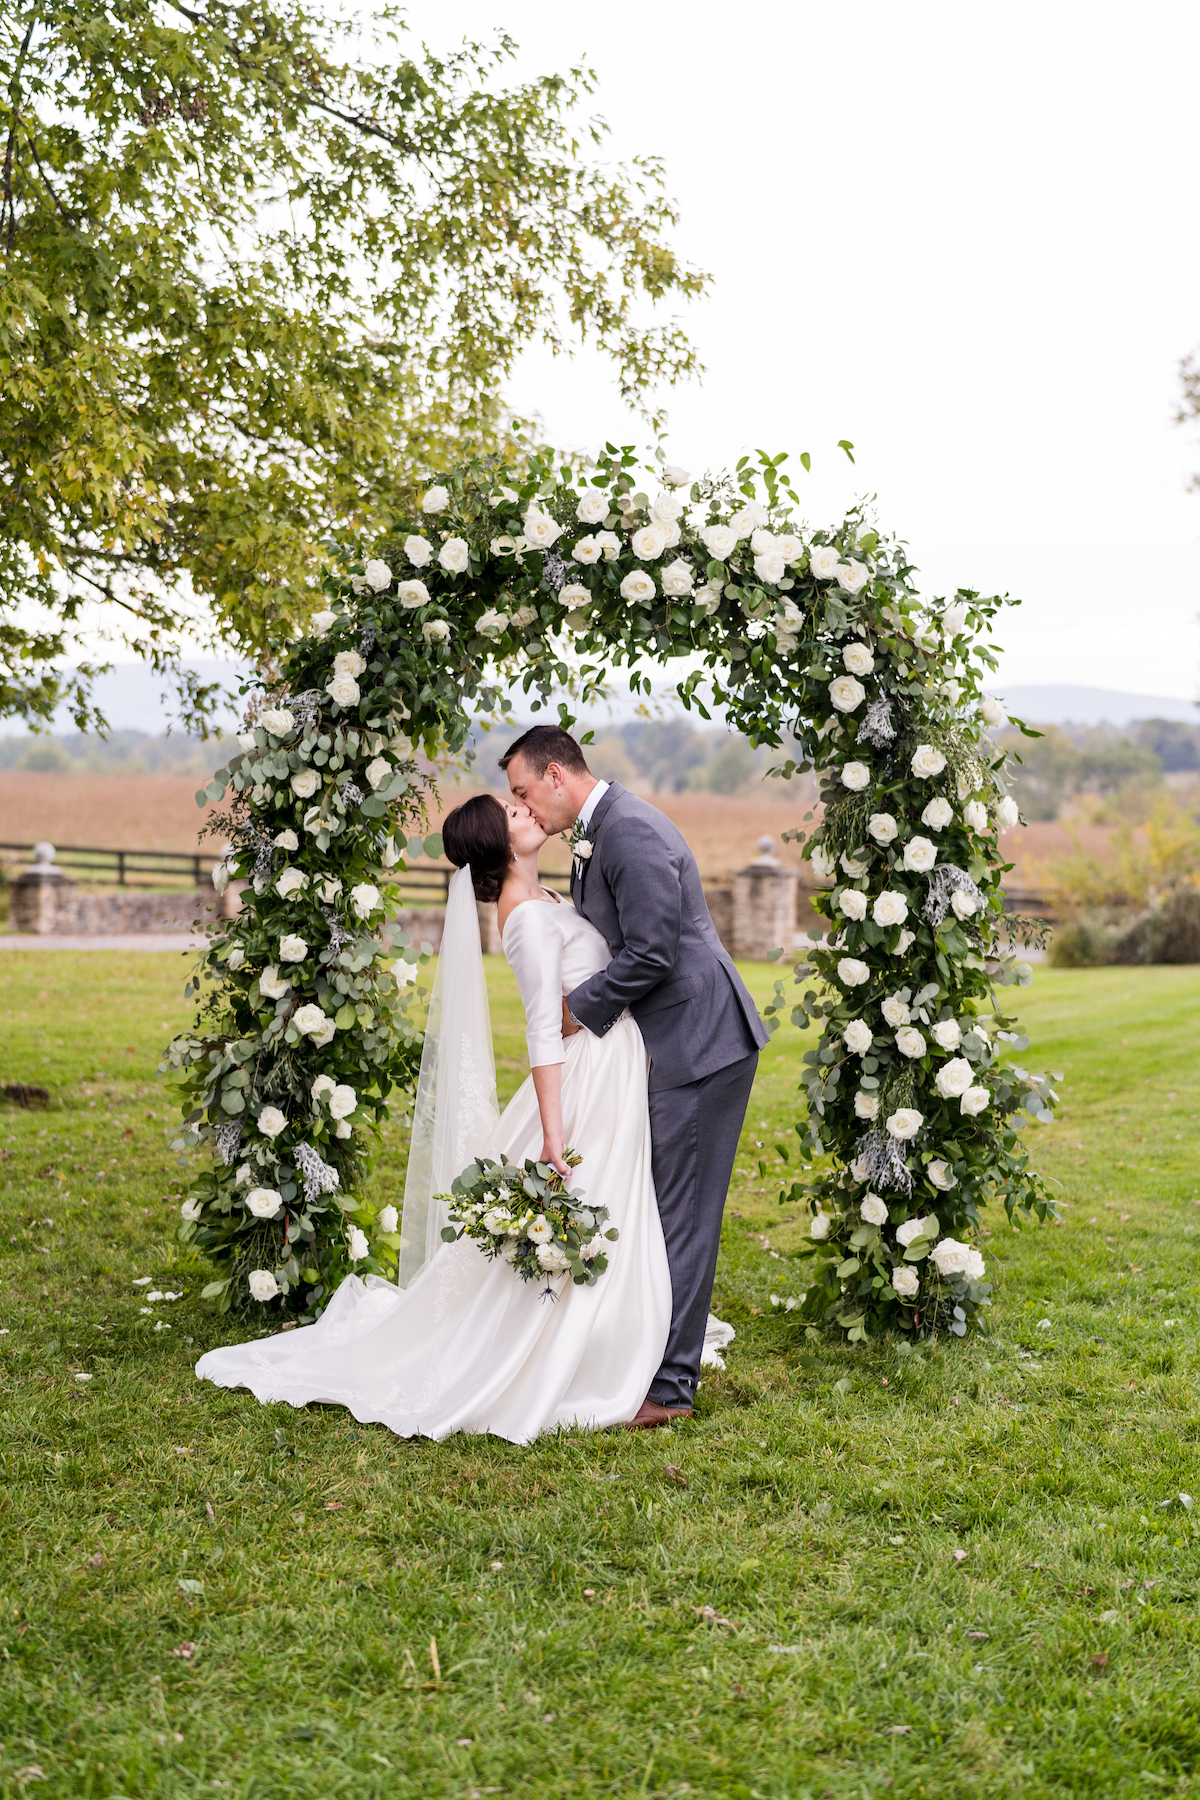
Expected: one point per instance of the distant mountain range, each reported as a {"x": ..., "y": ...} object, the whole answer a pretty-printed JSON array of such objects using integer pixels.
[{"x": 131, "y": 698}]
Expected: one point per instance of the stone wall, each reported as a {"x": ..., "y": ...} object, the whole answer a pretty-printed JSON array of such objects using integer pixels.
[{"x": 57, "y": 907}]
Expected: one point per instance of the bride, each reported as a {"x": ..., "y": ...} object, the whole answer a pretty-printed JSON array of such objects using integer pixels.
[{"x": 463, "y": 1344}]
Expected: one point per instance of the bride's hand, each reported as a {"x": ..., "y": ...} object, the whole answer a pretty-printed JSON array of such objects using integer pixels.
[{"x": 552, "y": 1153}]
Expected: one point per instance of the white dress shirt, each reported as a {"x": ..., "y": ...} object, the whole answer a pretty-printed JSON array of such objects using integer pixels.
[{"x": 591, "y": 803}]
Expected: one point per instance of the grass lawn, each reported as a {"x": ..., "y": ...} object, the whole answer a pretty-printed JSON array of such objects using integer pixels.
[{"x": 966, "y": 1571}]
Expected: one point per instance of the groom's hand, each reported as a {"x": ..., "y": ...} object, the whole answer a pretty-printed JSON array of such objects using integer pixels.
[{"x": 569, "y": 1025}]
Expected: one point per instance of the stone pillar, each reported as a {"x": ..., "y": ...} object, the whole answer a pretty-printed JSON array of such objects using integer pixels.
[
  {"x": 764, "y": 906},
  {"x": 36, "y": 893}
]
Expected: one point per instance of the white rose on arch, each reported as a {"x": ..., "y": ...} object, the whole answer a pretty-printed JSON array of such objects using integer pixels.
[
  {"x": 648, "y": 543},
  {"x": 377, "y": 574},
  {"x": 378, "y": 771},
  {"x": 823, "y": 561},
  {"x": 264, "y": 1203},
  {"x": 677, "y": 578},
  {"x": 963, "y": 905},
  {"x": 882, "y": 827},
  {"x": 939, "y": 1172},
  {"x": 751, "y": 516},
  {"x": 905, "y": 1123},
  {"x": 912, "y": 1229},
  {"x": 587, "y": 551},
  {"x": 854, "y": 865},
  {"x": 858, "y": 1039},
  {"x": 905, "y": 939},
  {"x": 890, "y": 908},
  {"x": 343, "y": 689},
  {"x": 789, "y": 547},
  {"x": 762, "y": 541},
  {"x": 272, "y": 985},
  {"x": 845, "y": 693},
  {"x": 319, "y": 625},
  {"x": 819, "y": 1228},
  {"x": 343, "y": 1101},
  {"x": 858, "y": 659},
  {"x": 454, "y": 555},
  {"x": 954, "y": 1078},
  {"x": 873, "y": 1210},
  {"x": 413, "y": 594},
  {"x": 637, "y": 585},
  {"x": 950, "y": 1257},
  {"x": 592, "y": 508},
  {"x": 992, "y": 712},
  {"x": 191, "y": 1210},
  {"x": 975, "y": 816},
  {"x": 866, "y": 1106},
  {"x": 919, "y": 855},
  {"x": 674, "y": 476},
  {"x": 285, "y": 840},
  {"x": 852, "y": 972},
  {"x": 666, "y": 508},
  {"x": 770, "y": 567},
  {"x": 895, "y": 1011},
  {"x": 906, "y": 1281},
  {"x": 541, "y": 532},
  {"x": 348, "y": 662},
  {"x": 388, "y": 1220},
  {"x": 418, "y": 550},
  {"x": 364, "y": 899},
  {"x": 823, "y": 865},
  {"x": 436, "y": 631},
  {"x": 1008, "y": 813},
  {"x": 610, "y": 543},
  {"x": 277, "y": 720},
  {"x": 927, "y": 760},
  {"x": 946, "y": 1034},
  {"x": 852, "y": 903},
  {"x": 305, "y": 783},
  {"x": 853, "y": 576},
  {"x": 856, "y": 776},
  {"x": 271, "y": 1122},
  {"x": 719, "y": 541},
  {"x": 358, "y": 1245},
  {"x": 309, "y": 1020},
  {"x": 975, "y": 1101},
  {"x": 952, "y": 621},
  {"x": 290, "y": 881},
  {"x": 292, "y": 949},
  {"x": 573, "y": 596},
  {"x": 937, "y": 815},
  {"x": 436, "y": 500},
  {"x": 263, "y": 1285},
  {"x": 910, "y": 1043}
]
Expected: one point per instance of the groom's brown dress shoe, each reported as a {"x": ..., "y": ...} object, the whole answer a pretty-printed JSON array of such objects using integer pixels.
[{"x": 650, "y": 1415}]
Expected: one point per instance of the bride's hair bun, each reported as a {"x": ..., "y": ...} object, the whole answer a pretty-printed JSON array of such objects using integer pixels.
[{"x": 476, "y": 833}]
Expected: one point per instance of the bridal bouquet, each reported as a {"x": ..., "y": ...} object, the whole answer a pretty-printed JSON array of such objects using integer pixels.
[{"x": 527, "y": 1214}]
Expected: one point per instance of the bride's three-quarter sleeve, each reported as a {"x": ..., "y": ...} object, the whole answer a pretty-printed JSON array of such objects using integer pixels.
[{"x": 534, "y": 947}]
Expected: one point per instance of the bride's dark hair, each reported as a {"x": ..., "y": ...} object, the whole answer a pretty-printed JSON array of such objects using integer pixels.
[{"x": 476, "y": 833}]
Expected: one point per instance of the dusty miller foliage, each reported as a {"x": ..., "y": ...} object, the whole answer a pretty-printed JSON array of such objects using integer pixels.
[{"x": 766, "y": 641}]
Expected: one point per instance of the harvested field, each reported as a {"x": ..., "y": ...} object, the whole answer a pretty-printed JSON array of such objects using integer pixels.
[{"x": 110, "y": 812}]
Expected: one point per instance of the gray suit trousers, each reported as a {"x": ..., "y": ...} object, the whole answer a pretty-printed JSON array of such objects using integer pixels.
[{"x": 694, "y": 1131}]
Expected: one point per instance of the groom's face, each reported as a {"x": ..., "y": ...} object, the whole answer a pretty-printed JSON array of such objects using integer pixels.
[{"x": 544, "y": 795}]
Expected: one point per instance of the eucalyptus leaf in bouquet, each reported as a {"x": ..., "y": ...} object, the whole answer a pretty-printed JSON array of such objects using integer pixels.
[{"x": 526, "y": 1213}]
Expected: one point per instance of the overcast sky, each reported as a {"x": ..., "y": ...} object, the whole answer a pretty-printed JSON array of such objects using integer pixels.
[{"x": 962, "y": 237}]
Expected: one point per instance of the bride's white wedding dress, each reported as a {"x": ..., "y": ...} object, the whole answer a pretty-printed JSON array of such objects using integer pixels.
[{"x": 468, "y": 1346}]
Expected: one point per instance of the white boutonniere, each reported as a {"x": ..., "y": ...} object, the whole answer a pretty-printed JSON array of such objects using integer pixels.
[{"x": 581, "y": 846}]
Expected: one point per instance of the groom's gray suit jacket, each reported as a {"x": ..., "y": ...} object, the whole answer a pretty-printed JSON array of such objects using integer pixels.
[{"x": 641, "y": 889}]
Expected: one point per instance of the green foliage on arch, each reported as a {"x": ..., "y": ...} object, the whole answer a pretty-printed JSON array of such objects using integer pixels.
[{"x": 547, "y": 576}]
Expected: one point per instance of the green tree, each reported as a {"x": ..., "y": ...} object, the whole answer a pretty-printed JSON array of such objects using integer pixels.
[{"x": 259, "y": 277}]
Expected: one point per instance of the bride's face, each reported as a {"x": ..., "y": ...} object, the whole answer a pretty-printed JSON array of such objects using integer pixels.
[{"x": 524, "y": 833}]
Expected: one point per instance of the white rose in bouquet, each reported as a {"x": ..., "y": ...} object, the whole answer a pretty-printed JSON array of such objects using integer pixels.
[
  {"x": 770, "y": 567},
  {"x": 905, "y": 1122},
  {"x": 293, "y": 949},
  {"x": 962, "y": 904},
  {"x": 277, "y": 720},
  {"x": 388, "y": 1219},
  {"x": 823, "y": 865},
  {"x": 413, "y": 594},
  {"x": 343, "y": 689},
  {"x": 263, "y": 1285},
  {"x": 191, "y": 1210},
  {"x": 937, "y": 815},
  {"x": 761, "y": 541},
  {"x": 321, "y": 621},
  {"x": 910, "y": 1043},
  {"x": 587, "y": 551},
  {"x": 939, "y": 1173},
  {"x": 895, "y": 1011},
  {"x": 418, "y": 550},
  {"x": 677, "y": 577},
  {"x": 436, "y": 631},
  {"x": 541, "y": 533},
  {"x": 853, "y": 973},
  {"x": 342, "y": 1101},
  {"x": 927, "y": 760},
  {"x": 272, "y": 984},
  {"x": 610, "y": 543},
  {"x": 853, "y": 576},
  {"x": 856, "y": 776},
  {"x": 902, "y": 943},
  {"x": 873, "y": 1210},
  {"x": 592, "y": 508},
  {"x": 866, "y": 1106},
  {"x": 271, "y": 1121},
  {"x": 309, "y": 1019},
  {"x": 377, "y": 574},
  {"x": 349, "y": 662},
  {"x": 552, "y": 1259},
  {"x": 497, "y": 1220},
  {"x": 819, "y": 1228},
  {"x": 845, "y": 693},
  {"x": 378, "y": 770},
  {"x": 305, "y": 783},
  {"x": 637, "y": 585},
  {"x": 358, "y": 1246},
  {"x": 436, "y": 500},
  {"x": 882, "y": 827},
  {"x": 975, "y": 1100},
  {"x": 666, "y": 508},
  {"x": 954, "y": 1078},
  {"x": 719, "y": 541},
  {"x": 890, "y": 909},
  {"x": 858, "y": 659},
  {"x": 857, "y": 1038},
  {"x": 975, "y": 816},
  {"x": 992, "y": 711},
  {"x": 975, "y": 1269},
  {"x": 823, "y": 561},
  {"x": 946, "y": 1034},
  {"x": 911, "y": 1230},
  {"x": 1008, "y": 813},
  {"x": 906, "y": 1281},
  {"x": 853, "y": 904},
  {"x": 364, "y": 899},
  {"x": 953, "y": 620},
  {"x": 454, "y": 555},
  {"x": 919, "y": 855},
  {"x": 950, "y": 1257},
  {"x": 264, "y": 1203},
  {"x": 290, "y": 881}
]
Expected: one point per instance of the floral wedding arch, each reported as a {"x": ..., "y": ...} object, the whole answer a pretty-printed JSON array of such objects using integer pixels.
[{"x": 304, "y": 1039}]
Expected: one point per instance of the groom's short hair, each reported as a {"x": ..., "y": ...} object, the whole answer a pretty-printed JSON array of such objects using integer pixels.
[{"x": 546, "y": 744}]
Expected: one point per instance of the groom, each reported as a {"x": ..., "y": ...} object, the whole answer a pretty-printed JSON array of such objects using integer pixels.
[{"x": 636, "y": 881}]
